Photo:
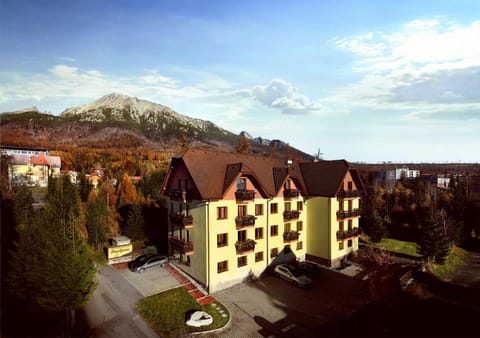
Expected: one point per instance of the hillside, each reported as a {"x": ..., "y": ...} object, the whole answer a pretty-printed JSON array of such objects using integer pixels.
[{"x": 121, "y": 121}]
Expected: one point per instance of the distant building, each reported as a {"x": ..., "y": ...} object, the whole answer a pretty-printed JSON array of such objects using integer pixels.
[
  {"x": 443, "y": 182},
  {"x": 395, "y": 174},
  {"x": 32, "y": 170},
  {"x": 23, "y": 151}
]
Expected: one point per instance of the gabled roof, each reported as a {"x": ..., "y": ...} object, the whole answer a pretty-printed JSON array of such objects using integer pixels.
[
  {"x": 213, "y": 172},
  {"x": 324, "y": 178},
  {"x": 41, "y": 159}
]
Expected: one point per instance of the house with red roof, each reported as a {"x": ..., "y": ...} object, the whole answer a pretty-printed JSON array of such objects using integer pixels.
[{"x": 233, "y": 215}]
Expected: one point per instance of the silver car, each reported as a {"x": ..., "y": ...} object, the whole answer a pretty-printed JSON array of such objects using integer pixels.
[
  {"x": 144, "y": 262},
  {"x": 292, "y": 274}
]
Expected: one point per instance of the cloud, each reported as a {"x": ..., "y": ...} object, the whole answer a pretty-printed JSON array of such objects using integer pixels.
[
  {"x": 426, "y": 66},
  {"x": 64, "y": 71},
  {"x": 282, "y": 95}
]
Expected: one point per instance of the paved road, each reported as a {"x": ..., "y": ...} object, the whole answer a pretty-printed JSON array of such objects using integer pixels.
[{"x": 111, "y": 311}]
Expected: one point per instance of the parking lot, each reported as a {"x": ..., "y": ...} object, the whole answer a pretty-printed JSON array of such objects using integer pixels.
[
  {"x": 274, "y": 307},
  {"x": 151, "y": 281}
]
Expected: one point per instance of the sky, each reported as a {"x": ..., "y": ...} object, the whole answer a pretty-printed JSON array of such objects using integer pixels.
[{"x": 367, "y": 81}]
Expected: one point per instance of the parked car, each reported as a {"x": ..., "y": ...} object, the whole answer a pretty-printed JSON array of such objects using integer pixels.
[
  {"x": 309, "y": 268},
  {"x": 292, "y": 274},
  {"x": 141, "y": 263}
]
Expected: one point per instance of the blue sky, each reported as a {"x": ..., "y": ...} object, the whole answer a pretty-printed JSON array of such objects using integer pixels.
[{"x": 362, "y": 80}]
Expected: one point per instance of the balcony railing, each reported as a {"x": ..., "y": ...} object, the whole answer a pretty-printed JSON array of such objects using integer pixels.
[
  {"x": 245, "y": 221},
  {"x": 184, "y": 221},
  {"x": 181, "y": 246},
  {"x": 291, "y": 193},
  {"x": 290, "y": 236},
  {"x": 348, "y": 213},
  {"x": 348, "y": 193},
  {"x": 342, "y": 234},
  {"x": 291, "y": 214},
  {"x": 245, "y": 195},
  {"x": 179, "y": 195},
  {"x": 245, "y": 246}
]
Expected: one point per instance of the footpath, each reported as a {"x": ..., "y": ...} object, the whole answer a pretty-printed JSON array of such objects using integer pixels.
[{"x": 195, "y": 290}]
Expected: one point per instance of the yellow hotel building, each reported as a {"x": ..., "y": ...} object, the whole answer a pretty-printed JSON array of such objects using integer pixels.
[{"x": 232, "y": 216}]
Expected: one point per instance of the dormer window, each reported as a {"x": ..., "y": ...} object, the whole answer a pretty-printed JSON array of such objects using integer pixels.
[{"x": 241, "y": 184}]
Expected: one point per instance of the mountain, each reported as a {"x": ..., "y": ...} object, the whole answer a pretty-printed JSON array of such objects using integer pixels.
[{"x": 117, "y": 120}]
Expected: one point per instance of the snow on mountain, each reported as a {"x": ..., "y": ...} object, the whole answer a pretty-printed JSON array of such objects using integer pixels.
[{"x": 123, "y": 108}]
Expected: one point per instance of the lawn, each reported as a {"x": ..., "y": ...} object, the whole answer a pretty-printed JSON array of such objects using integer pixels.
[
  {"x": 165, "y": 312},
  {"x": 397, "y": 246},
  {"x": 456, "y": 259}
]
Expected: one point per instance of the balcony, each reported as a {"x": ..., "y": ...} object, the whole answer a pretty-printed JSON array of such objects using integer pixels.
[
  {"x": 291, "y": 193},
  {"x": 181, "y": 246},
  {"x": 291, "y": 214},
  {"x": 245, "y": 246},
  {"x": 245, "y": 221},
  {"x": 290, "y": 236},
  {"x": 343, "y": 234},
  {"x": 183, "y": 221},
  {"x": 348, "y": 193},
  {"x": 245, "y": 195},
  {"x": 348, "y": 213},
  {"x": 179, "y": 195}
]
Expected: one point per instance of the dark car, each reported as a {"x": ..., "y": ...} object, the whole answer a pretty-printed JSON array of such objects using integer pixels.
[{"x": 141, "y": 263}]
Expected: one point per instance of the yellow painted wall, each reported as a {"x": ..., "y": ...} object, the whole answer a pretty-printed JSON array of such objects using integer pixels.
[{"x": 318, "y": 214}]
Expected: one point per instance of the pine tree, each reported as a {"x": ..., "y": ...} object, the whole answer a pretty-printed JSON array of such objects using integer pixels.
[
  {"x": 96, "y": 215},
  {"x": 433, "y": 244},
  {"x": 23, "y": 206},
  {"x": 135, "y": 223},
  {"x": 52, "y": 262},
  {"x": 377, "y": 230}
]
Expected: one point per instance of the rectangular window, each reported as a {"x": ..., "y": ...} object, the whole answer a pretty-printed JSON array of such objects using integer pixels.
[
  {"x": 274, "y": 230},
  {"x": 221, "y": 212},
  {"x": 340, "y": 245},
  {"x": 341, "y": 226},
  {"x": 241, "y": 184},
  {"x": 274, "y": 252},
  {"x": 299, "y": 205},
  {"x": 273, "y": 208},
  {"x": 350, "y": 205},
  {"x": 349, "y": 243},
  {"x": 259, "y": 256},
  {"x": 340, "y": 205},
  {"x": 288, "y": 206},
  {"x": 299, "y": 226},
  {"x": 288, "y": 227},
  {"x": 350, "y": 185},
  {"x": 241, "y": 261},
  {"x": 222, "y": 266},
  {"x": 299, "y": 245},
  {"x": 242, "y": 235},
  {"x": 242, "y": 210},
  {"x": 258, "y": 233},
  {"x": 258, "y": 209},
  {"x": 288, "y": 184},
  {"x": 222, "y": 240},
  {"x": 350, "y": 224}
]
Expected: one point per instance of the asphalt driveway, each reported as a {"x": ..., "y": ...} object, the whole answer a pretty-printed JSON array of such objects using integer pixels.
[
  {"x": 151, "y": 281},
  {"x": 274, "y": 307}
]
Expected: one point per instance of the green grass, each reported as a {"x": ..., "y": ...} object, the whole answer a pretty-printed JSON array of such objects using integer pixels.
[
  {"x": 402, "y": 247},
  {"x": 165, "y": 312},
  {"x": 457, "y": 258}
]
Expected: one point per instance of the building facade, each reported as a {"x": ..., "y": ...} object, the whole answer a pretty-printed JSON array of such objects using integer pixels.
[{"x": 232, "y": 216}]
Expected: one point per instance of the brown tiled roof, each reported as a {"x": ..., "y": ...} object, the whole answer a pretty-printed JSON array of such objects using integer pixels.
[
  {"x": 213, "y": 172},
  {"x": 323, "y": 178}
]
